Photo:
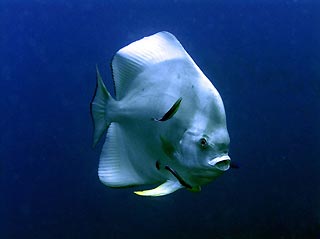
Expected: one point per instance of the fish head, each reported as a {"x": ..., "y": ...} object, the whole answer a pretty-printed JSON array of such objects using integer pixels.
[
  {"x": 204, "y": 156},
  {"x": 204, "y": 146}
]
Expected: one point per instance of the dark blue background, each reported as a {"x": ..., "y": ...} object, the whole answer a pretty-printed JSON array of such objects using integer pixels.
[{"x": 264, "y": 58}]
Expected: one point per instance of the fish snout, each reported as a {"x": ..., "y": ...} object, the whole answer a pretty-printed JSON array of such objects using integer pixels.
[{"x": 221, "y": 163}]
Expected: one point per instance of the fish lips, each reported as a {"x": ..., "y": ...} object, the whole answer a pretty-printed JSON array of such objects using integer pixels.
[{"x": 221, "y": 163}]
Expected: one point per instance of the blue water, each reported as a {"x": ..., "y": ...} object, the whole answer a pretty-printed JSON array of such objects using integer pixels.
[{"x": 263, "y": 57}]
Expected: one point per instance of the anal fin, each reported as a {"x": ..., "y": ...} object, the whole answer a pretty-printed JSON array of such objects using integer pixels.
[
  {"x": 164, "y": 189},
  {"x": 116, "y": 168}
]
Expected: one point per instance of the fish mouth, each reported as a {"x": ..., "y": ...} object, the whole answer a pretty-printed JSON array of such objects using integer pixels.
[{"x": 221, "y": 163}]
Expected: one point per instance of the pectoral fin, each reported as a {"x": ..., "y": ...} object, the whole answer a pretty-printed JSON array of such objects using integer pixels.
[
  {"x": 234, "y": 165},
  {"x": 167, "y": 147},
  {"x": 166, "y": 188},
  {"x": 174, "y": 108}
]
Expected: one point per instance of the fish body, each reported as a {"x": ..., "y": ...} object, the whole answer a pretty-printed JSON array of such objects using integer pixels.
[{"x": 167, "y": 123}]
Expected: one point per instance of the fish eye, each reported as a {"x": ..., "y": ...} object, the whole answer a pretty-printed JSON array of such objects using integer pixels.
[{"x": 203, "y": 143}]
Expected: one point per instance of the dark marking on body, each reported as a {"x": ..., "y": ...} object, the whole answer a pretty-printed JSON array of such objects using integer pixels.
[
  {"x": 158, "y": 165},
  {"x": 174, "y": 108},
  {"x": 181, "y": 181}
]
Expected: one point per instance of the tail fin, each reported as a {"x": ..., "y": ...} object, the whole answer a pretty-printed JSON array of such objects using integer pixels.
[{"x": 98, "y": 109}]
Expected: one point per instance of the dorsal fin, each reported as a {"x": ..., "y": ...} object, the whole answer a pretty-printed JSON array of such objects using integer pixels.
[{"x": 133, "y": 59}]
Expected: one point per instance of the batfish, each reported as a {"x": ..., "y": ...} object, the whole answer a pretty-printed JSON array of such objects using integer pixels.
[{"x": 166, "y": 125}]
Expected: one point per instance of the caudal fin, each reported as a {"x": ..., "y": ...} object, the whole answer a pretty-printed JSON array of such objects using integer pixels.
[{"x": 98, "y": 109}]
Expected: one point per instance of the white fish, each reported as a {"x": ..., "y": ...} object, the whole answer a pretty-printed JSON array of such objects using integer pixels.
[{"x": 167, "y": 124}]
